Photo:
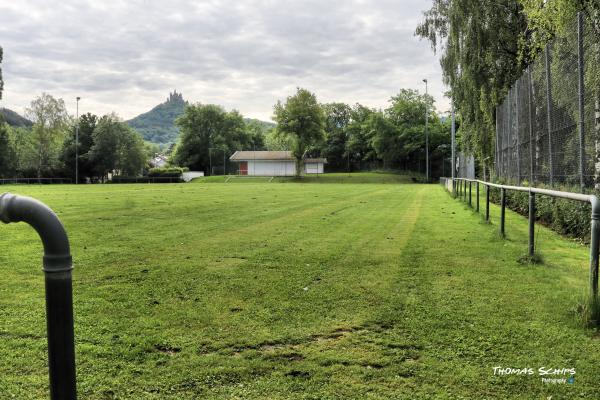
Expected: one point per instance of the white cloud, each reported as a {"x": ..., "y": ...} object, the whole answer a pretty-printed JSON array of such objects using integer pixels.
[{"x": 126, "y": 56}]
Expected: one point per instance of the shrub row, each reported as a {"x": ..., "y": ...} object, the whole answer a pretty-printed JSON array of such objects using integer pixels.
[
  {"x": 167, "y": 172},
  {"x": 146, "y": 179}
]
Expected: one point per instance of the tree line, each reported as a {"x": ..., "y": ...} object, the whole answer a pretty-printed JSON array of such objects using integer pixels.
[
  {"x": 351, "y": 137},
  {"x": 485, "y": 45},
  {"x": 107, "y": 145}
]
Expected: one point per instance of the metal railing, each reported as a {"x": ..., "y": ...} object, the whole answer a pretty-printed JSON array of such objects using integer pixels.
[
  {"x": 462, "y": 188},
  {"x": 57, "y": 266}
]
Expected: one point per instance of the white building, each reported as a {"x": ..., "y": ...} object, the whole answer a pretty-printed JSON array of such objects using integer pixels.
[{"x": 273, "y": 163}]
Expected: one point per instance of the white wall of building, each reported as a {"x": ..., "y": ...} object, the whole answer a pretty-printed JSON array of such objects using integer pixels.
[
  {"x": 271, "y": 168},
  {"x": 313, "y": 168},
  {"x": 280, "y": 168}
]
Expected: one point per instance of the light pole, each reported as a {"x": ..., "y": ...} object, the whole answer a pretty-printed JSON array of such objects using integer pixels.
[
  {"x": 426, "y": 136},
  {"x": 453, "y": 133},
  {"x": 77, "y": 144}
]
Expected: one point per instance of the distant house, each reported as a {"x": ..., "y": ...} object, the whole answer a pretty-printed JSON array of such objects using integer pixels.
[
  {"x": 273, "y": 163},
  {"x": 159, "y": 161}
]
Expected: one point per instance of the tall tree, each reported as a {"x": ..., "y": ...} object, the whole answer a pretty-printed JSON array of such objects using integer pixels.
[
  {"x": 337, "y": 119},
  {"x": 87, "y": 124},
  {"x": 7, "y": 153},
  {"x": 1, "y": 81},
  {"x": 482, "y": 42},
  {"x": 301, "y": 118},
  {"x": 50, "y": 119},
  {"x": 206, "y": 128},
  {"x": 117, "y": 148},
  {"x": 359, "y": 144}
]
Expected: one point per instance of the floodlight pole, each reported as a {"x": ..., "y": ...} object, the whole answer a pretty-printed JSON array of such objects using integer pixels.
[
  {"x": 77, "y": 144},
  {"x": 453, "y": 141},
  {"x": 426, "y": 135},
  {"x": 57, "y": 266}
]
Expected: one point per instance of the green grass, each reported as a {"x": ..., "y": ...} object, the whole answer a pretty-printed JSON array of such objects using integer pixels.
[{"x": 303, "y": 291}]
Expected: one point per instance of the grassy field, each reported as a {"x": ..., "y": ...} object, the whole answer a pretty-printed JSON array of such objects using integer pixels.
[{"x": 303, "y": 291}]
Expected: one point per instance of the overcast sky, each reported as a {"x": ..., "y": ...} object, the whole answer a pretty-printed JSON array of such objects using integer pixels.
[{"x": 126, "y": 56}]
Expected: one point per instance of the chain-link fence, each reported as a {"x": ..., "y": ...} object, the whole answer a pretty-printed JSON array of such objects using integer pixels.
[{"x": 548, "y": 126}]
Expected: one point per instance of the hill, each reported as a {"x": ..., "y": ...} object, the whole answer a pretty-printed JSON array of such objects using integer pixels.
[
  {"x": 14, "y": 119},
  {"x": 158, "y": 124},
  {"x": 266, "y": 126}
]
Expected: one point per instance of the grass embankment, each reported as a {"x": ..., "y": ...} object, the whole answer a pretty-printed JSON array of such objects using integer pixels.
[
  {"x": 186, "y": 291},
  {"x": 340, "y": 177}
]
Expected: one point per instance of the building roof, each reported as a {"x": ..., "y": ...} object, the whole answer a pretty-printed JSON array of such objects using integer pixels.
[{"x": 270, "y": 156}]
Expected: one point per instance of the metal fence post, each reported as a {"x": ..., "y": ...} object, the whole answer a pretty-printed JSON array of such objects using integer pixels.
[
  {"x": 580, "y": 68},
  {"x": 549, "y": 112},
  {"x": 518, "y": 139},
  {"x": 477, "y": 194},
  {"x": 487, "y": 203},
  {"x": 470, "y": 203},
  {"x": 57, "y": 266},
  {"x": 594, "y": 248},
  {"x": 502, "y": 211},
  {"x": 531, "y": 223},
  {"x": 531, "y": 121}
]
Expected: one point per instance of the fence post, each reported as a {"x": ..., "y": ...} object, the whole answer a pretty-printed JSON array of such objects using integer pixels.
[
  {"x": 502, "y": 211},
  {"x": 470, "y": 203},
  {"x": 531, "y": 223},
  {"x": 477, "y": 194},
  {"x": 594, "y": 247},
  {"x": 487, "y": 203},
  {"x": 531, "y": 119},
  {"x": 549, "y": 112},
  {"x": 518, "y": 139},
  {"x": 581, "y": 98}
]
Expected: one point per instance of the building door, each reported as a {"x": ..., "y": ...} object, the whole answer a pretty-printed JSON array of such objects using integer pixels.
[{"x": 244, "y": 168}]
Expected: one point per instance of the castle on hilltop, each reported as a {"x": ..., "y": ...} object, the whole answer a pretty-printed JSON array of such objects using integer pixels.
[{"x": 175, "y": 96}]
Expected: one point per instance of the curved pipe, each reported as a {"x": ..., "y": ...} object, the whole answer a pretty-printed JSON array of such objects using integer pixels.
[
  {"x": 57, "y": 252},
  {"x": 57, "y": 266}
]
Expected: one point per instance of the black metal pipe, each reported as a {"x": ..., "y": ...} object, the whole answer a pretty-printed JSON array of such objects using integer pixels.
[
  {"x": 531, "y": 223},
  {"x": 502, "y": 211},
  {"x": 57, "y": 266},
  {"x": 477, "y": 194},
  {"x": 470, "y": 201},
  {"x": 594, "y": 247},
  {"x": 487, "y": 203}
]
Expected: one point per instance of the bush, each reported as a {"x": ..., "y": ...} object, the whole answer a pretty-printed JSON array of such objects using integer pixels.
[
  {"x": 166, "y": 172},
  {"x": 146, "y": 179}
]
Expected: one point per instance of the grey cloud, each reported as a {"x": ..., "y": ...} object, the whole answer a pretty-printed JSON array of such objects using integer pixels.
[{"x": 127, "y": 55}]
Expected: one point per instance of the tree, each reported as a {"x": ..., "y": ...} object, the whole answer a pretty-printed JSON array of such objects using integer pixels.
[
  {"x": 337, "y": 119},
  {"x": 208, "y": 126},
  {"x": 301, "y": 118},
  {"x": 117, "y": 148},
  {"x": 87, "y": 124},
  {"x": 7, "y": 153},
  {"x": 50, "y": 119},
  {"x": 359, "y": 143},
  {"x": 1, "y": 81},
  {"x": 483, "y": 44},
  {"x": 275, "y": 142}
]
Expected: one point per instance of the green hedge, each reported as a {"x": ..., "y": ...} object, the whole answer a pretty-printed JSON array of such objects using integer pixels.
[
  {"x": 146, "y": 179},
  {"x": 167, "y": 172}
]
